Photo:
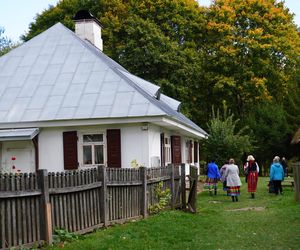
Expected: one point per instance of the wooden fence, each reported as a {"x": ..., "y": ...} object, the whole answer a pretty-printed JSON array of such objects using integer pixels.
[
  {"x": 296, "y": 174},
  {"x": 33, "y": 205}
]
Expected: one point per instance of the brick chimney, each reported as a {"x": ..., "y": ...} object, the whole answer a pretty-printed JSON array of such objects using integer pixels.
[{"x": 87, "y": 27}]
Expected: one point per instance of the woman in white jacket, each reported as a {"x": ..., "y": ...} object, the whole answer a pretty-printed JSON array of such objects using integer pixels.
[{"x": 233, "y": 180}]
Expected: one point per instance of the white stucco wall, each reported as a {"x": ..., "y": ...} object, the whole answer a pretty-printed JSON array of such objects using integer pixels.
[
  {"x": 17, "y": 156},
  {"x": 154, "y": 146},
  {"x": 134, "y": 145},
  {"x": 138, "y": 141},
  {"x": 51, "y": 149}
]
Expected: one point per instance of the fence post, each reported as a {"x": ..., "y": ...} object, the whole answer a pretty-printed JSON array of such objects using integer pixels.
[
  {"x": 143, "y": 178},
  {"x": 103, "y": 194},
  {"x": 172, "y": 187},
  {"x": 45, "y": 206},
  {"x": 183, "y": 192},
  {"x": 296, "y": 174}
]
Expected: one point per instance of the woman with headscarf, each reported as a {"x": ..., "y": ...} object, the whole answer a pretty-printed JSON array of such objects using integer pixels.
[
  {"x": 233, "y": 180},
  {"x": 251, "y": 170}
]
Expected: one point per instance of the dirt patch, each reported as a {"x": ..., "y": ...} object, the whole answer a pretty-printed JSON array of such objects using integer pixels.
[
  {"x": 200, "y": 185},
  {"x": 259, "y": 209},
  {"x": 215, "y": 202}
]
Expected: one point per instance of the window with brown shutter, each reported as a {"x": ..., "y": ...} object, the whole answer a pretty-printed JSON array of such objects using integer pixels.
[
  {"x": 176, "y": 149},
  {"x": 113, "y": 148},
  {"x": 70, "y": 150},
  {"x": 195, "y": 151}
]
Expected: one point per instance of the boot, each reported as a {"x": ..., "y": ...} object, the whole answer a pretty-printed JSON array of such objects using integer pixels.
[
  {"x": 236, "y": 199},
  {"x": 252, "y": 195},
  {"x": 215, "y": 192},
  {"x": 232, "y": 197}
]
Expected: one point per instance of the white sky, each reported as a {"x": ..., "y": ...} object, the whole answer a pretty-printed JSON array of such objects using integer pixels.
[{"x": 15, "y": 15}]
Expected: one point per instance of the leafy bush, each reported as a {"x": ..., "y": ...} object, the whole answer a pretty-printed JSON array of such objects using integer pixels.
[
  {"x": 163, "y": 196},
  {"x": 225, "y": 139},
  {"x": 62, "y": 236}
]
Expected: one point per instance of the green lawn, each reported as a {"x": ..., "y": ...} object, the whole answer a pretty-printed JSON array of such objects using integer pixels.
[{"x": 275, "y": 226}]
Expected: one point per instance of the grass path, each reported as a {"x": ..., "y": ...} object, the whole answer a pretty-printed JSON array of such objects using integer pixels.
[{"x": 266, "y": 222}]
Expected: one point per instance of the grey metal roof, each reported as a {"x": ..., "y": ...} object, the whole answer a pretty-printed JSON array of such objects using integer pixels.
[
  {"x": 58, "y": 76},
  {"x": 18, "y": 134}
]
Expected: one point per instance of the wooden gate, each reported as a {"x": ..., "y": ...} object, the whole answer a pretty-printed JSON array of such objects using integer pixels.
[{"x": 192, "y": 199}]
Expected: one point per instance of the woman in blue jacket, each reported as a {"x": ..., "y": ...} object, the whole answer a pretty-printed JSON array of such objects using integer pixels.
[
  {"x": 277, "y": 175},
  {"x": 213, "y": 176}
]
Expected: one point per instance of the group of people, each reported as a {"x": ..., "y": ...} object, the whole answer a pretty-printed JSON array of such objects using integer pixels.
[{"x": 229, "y": 176}]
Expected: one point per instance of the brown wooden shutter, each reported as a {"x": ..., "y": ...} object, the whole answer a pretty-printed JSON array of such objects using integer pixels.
[
  {"x": 35, "y": 142},
  {"x": 190, "y": 151},
  {"x": 176, "y": 149},
  {"x": 162, "y": 149},
  {"x": 70, "y": 150},
  {"x": 113, "y": 148},
  {"x": 195, "y": 151}
]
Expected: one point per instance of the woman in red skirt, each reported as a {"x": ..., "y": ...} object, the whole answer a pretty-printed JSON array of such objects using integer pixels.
[{"x": 251, "y": 170}]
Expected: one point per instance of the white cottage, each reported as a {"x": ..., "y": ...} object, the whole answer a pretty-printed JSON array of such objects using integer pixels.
[{"x": 66, "y": 105}]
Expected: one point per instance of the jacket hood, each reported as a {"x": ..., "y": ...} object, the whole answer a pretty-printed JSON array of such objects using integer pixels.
[{"x": 277, "y": 165}]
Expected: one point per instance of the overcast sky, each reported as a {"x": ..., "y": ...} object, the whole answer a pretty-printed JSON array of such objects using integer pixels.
[{"x": 15, "y": 15}]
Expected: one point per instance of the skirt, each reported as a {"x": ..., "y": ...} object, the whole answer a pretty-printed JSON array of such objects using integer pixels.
[
  {"x": 252, "y": 179},
  {"x": 211, "y": 183},
  {"x": 233, "y": 191}
]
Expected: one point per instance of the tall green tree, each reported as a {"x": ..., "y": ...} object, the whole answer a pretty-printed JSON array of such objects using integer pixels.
[
  {"x": 269, "y": 123},
  {"x": 252, "y": 50}
]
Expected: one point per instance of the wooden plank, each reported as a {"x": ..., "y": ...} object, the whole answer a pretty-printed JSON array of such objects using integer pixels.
[
  {"x": 46, "y": 234},
  {"x": 103, "y": 194},
  {"x": 24, "y": 217},
  {"x": 73, "y": 189},
  {"x": 13, "y": 212},
  {"x": 80, "y": 210},
  {"x": 143, "y": 200},
  {"x": 64, "y": 202},
  {"x": 126, "y": 183},
  {"x": 182, "y": 182},
  {"x": 19, "y": 194}
]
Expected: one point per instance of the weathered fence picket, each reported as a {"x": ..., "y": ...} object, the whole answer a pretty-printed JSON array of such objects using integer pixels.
[{"x": 33, "y": 205}]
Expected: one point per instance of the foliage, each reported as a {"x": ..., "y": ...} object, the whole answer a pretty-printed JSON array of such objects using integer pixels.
[
  {"x": 225, "y": 139},
  {"x": 5, "y": 43},
  {"x": 218, "y": 225},
  {"x": 252, "y": 52},
  {"x": 62, "y": 236},
  {"x": 163, "y": 197},
  {"x": 269, "y": 124}
]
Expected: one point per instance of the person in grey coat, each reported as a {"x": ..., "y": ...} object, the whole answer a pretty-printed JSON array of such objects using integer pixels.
[{"x": 233, "y": 180}]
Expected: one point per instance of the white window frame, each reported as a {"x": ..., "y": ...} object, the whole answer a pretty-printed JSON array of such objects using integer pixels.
[
  {"x": 167, "y": 150},
  {"x": 82, "y": 144}
]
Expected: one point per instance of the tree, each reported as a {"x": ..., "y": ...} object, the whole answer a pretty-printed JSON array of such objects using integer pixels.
[
  {"x": 269, "y": 124},
  {"x": 5, "y": 43},
  {"x": 225, "y": 139},
  {"x": 252, "y": 50}
]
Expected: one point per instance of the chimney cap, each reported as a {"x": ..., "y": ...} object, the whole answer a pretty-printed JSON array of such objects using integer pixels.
[{"x": 85, "y": 15}]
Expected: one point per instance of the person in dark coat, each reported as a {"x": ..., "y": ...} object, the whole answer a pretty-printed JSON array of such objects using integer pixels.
[
  {"x": 276, "y": 175},
  {"x": 285, "y": 166}
]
